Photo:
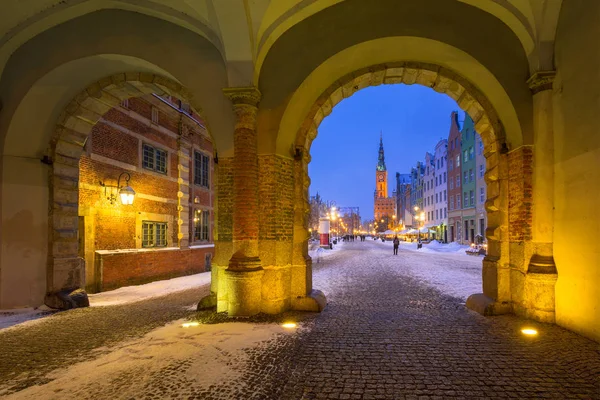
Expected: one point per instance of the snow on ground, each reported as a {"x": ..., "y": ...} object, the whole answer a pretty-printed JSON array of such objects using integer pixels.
[
  {"x": 131, "y": 294},
  {"x": 124, "y": 295},
  {"x": 202, "y": 355},
  {"x": 317, "y": 253},
  {"x": 444, "y": 266},
  {"x": 10, "y": 318}
]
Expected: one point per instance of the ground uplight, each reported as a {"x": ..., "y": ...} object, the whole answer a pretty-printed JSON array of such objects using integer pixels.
[
  {"x": 529, "y": 331},
  {"x": 190, "y": 324},
  {"x": 289, "y": 325}
]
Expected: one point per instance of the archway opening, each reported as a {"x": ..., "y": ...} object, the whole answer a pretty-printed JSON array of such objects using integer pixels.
[
  {"x": 485, "y": 122},
  {"x": 389, "y": 162}
]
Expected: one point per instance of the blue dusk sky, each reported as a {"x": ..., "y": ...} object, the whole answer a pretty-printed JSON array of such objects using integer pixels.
[{"x": 344, "y": 154}]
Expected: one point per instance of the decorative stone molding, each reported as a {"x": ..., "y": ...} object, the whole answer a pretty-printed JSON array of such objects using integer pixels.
[
  {"x": 541, "y": 80},
  {"x": 245, "y": 105}
]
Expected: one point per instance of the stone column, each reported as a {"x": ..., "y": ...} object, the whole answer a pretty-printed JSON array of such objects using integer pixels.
[
  {"x": 183, "y": 191},
  {"x": 244, "y": 274},
  {"x": 541, "y": 277}
]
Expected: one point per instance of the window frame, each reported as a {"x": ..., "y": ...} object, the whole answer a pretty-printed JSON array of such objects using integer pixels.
[
  {"x": 155, "y": 234},
  {"x": 201, "y": 176},
  {"x": 155, "y": 152},
  {"x": 201, "y": 226}
]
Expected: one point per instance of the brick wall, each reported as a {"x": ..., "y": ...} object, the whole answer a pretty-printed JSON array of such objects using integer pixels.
[
  {"x": 114, "y": 147},
  {"x": 134, "y": 268},
  {"x": 520, "y": 218}
]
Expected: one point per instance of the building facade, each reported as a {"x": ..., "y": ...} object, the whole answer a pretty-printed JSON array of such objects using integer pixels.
[
  {"x": 417, "y": 182},
  {"x": 454, "y": 185},
  {"x": 480, "y": 187},
  {"x": 429, "y": 191},
  {"x": 384, "y": 206},
  {"x": 441, "y": 190},
  {"x": 161, "y": 150},
  {"x": 403, "y": 199},
  {"x": 468, "y": 167}
]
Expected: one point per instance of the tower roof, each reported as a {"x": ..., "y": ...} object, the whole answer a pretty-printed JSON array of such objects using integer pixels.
[{"x": 381, "y": 158}]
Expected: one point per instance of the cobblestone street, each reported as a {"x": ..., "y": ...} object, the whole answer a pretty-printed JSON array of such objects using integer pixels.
[{"x": 389, "y": 331}]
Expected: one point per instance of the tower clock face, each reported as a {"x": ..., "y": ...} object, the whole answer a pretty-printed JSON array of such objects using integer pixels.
[{"x": 380, "y": 177}]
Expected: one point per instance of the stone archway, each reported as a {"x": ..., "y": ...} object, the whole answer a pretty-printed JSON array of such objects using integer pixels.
[
  {"x": 65, "y": 270},
  {"x": 496, "y": 296}
]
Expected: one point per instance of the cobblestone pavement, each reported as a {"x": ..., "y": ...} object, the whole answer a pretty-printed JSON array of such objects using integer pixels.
[
  {"x": 29, "y": 352},
  {"x": 383, "y": 335}
]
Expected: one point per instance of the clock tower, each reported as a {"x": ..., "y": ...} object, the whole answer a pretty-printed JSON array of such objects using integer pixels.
[
  {"x": 381, "y": 190},
  {"x": 385, "y": 207}
]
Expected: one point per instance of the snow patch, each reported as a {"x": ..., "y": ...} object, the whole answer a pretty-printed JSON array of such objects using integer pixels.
[{"x": 131, "y": 294}]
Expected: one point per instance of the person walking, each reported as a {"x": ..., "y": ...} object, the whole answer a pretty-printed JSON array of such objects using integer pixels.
[{"x": 396, "y": 244}]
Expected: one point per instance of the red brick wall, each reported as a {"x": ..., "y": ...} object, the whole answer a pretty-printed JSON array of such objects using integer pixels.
[
  {"x": 115, "y": 224},
  {"x": 520, "y": 217},
  {"x": 134, "y": 268}
]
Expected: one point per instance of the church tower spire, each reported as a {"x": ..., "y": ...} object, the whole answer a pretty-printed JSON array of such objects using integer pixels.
[{"x": 381, "y": 159}]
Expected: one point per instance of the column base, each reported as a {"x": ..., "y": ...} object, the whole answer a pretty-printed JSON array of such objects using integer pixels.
[
  {"x": 243, "y": 292},
  {"x": 487, "y": 306},
  {"x": 315, "y": 301}
]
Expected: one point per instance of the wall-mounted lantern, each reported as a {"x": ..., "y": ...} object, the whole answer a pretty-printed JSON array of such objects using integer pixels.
[{"x": 126, "y": 193}]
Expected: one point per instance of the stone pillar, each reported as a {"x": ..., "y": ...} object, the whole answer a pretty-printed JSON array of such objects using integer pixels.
[
  {"x": 539, "y": 291},
  {"x": 304, "y": 297},
  {"x": 66, "y": 269},
  {"x": 183, "y": 191},
  {"x": 244, "y": 274}
]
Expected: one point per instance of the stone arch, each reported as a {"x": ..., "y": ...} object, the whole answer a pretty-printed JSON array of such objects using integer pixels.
[
  {"x": 65, "y": 267},
  {"x": 487, "y": 123}
]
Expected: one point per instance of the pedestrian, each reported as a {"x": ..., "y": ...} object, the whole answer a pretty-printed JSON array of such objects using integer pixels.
[{"x": 396, "y": 244}]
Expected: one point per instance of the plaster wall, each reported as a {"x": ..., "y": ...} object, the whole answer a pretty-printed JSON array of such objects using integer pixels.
[
  {"x": 577, "y": 172},
  {"x": 25, "y": 227}
]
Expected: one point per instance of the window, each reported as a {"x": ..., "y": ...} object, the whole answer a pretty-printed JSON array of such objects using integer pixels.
[
  {"x": 458, "y": 201},
  {"x": 465, "y": 200},
  {"x": 450, "y": 165},
  {"x": 465, "y": 177},
  {"x": 125, "y": 103},
  {"x": 437, "y": 214},
  {"x": 481, "y": 195},
  {"x": 457, "y": 181},
  {"x": 436, "y": 198},
  {"x": 201, "y": 169},
  {"x": 471, "y": 175},
  {"x": 480, "y": 147},
  {"x": 154, "y": 234},
  {"x": 438, "y": 164},
  {"x": 481, "y": 171},
  {"x": 472, "y": 195},
  {"x": 442, "y": 162},
  {"x": 456, "y": 143},
  {"x": 471, "y": 153},
  {"x": 451, "y": 184},
  {"x": 201, "y": 224},
  {"x": 445, "y": 215},
  {"x": 154, "y": 159},
  {"x": 458, "y": 161},
  {"x": 444, "y": 177},
  {"x": 451, "y": 203},
  {"x": 155, "y": 115},
  {"x": 444, "y": 195},
  {"x": 465, "y": 155}
]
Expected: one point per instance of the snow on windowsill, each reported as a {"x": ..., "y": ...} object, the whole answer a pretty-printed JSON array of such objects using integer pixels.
[
  {"x": 142, "y": 250},
  {"x": 202, "y": 246}
]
